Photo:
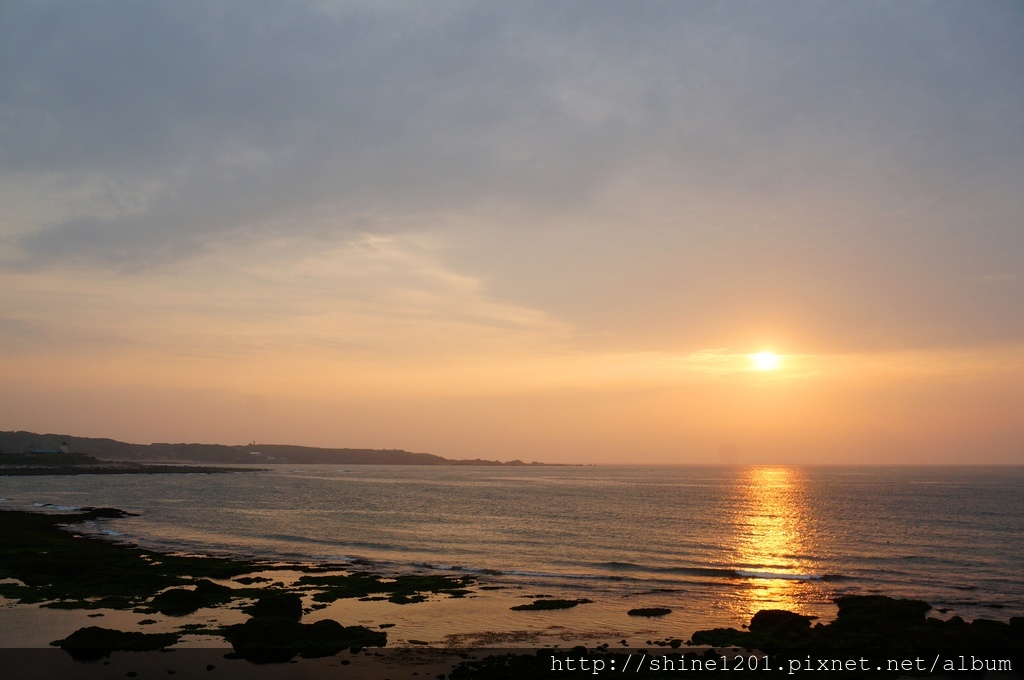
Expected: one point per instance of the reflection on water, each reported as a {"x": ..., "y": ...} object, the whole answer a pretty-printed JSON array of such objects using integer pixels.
[
  {"x": 773, "y": 538},
  {"x": 681, "y": 538}
]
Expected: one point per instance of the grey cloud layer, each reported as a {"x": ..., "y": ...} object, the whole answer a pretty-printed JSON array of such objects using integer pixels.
[{"x": 229, "y": 115}]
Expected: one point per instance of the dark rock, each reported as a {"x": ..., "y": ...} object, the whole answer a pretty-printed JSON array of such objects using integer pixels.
[
  {"x": 872, "y": 613},
  {"x": 540, "y": 605},
  {"x": 868, "y": 622},
  {"x": 779, "y": 621},
  {"x": 92, "y": 643},
  {"x": 985, "y": 634},
  {"x": 106, "y": 513},
  {"x": 719, "y": 637},
  {"x": 265, "y": 639},
  {"x": 270, "y": 639},
  {"x": 278, "y": 603},
  {"x": 649, "y": 611},
  {"x": 182, "y": 601}
]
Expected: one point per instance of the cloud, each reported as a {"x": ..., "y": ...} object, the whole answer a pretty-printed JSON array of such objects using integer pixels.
[
  {"x": 229, "y": 115},
  {"x": 229, "y": 119},
  {"x": 386, "y": 301},
  {"x": 662, "y": 175}
]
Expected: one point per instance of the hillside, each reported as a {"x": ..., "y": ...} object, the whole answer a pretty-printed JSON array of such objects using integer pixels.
[{"x": 263, "y": 454}]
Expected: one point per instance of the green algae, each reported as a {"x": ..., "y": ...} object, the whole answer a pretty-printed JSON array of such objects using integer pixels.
[
  {"x": 547, "y": 604},
  {"x": 405, "y": 589},
  {"x": 49, "y": 565},
  {"x": 68, "y": 571}
]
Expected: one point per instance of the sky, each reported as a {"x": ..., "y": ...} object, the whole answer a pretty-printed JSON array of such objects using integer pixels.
[{"x": 552, "y": 231}]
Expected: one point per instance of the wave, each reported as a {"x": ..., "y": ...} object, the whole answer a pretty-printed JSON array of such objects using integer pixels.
[
  {"x": 780, "y": 575},
  {"x": 719, "y": 572},
  {"x": 61, "y": 508},
  {"x": 641, "y": 572},
  {"x": 520, "y": 573},
  {"x": 545, "y": 574}
]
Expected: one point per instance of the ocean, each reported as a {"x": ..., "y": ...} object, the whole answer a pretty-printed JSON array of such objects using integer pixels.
[{"x": 714, "y": 544}]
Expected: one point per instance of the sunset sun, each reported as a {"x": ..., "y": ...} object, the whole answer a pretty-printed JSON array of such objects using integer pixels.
[{"x": 765, "y": 361}]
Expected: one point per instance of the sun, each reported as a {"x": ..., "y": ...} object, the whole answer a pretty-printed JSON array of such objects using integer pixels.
[{"x": 765, "y": 361}]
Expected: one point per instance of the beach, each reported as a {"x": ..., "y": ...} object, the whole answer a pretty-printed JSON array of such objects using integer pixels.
[
  {"x": 64, "y": 580},
  {"x": 60, "y": 585}
]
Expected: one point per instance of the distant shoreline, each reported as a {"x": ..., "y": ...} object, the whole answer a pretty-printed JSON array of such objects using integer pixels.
[
  {"x": 33, "y": 444},
  {"x": 117, "y": 470},
  {"x": 60, "y": 463}
]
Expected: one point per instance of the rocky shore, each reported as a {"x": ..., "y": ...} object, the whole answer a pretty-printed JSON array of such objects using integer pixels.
[{"x": 44, "y": 564}]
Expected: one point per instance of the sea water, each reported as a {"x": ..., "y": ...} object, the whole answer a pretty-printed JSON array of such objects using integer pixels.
[{"x": 715, "y": 543}]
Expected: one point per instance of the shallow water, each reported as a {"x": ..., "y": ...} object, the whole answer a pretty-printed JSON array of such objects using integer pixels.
[{"x": 714, "y": 544}]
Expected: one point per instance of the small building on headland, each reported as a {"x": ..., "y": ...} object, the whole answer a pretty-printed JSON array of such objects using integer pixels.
[{"x": 63, "y": 448}]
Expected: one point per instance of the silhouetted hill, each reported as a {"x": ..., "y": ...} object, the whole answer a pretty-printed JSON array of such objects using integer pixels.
[{"x": 110, "y": 449}]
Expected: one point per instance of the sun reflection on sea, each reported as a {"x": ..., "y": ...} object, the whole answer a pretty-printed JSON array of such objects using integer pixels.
[{"x": 772, "y": 540}]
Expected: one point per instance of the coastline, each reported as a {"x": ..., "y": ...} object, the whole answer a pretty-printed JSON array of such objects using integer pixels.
[
  {"x": 57, "y": 601},
  {"x": 46, "y": 464},
  {"x": 118, "y": 469},
  {"x": 55, "y": 583}
]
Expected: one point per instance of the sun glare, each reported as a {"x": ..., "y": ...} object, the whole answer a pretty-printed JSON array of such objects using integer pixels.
[{"x": 765, "y": 361}]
